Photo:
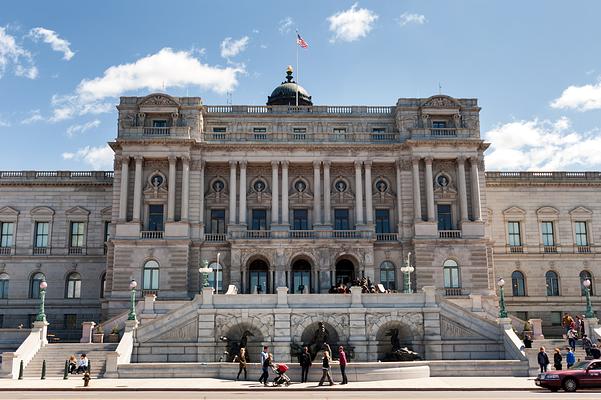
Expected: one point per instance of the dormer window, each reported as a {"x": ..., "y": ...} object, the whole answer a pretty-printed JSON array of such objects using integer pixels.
[{"x": 159, "y": 123}]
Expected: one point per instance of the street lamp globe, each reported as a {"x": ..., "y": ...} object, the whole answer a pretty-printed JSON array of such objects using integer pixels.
[
  {"x": 501, "y": 282},
  {"x": 133, "y": 284},
  {"x": 43, "y": 285},
  {"x": 587, "y": 283}
]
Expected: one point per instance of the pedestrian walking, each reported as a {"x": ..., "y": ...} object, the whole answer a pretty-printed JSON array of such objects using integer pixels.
[
  {"x": 570, "y": 358},
  {"x": 527, "y": 341},
  {"x": 557, "y": 359},
  {"x": 587, "y": 345},
  {"x": 595, "y": 352},
  {"x": 543, "y": 360},
  {"x": 325, "y": 367},
  {"x": 572, "y": 335},
  {"x": 343, "y": 362},
  {"x": 241, "y": 357},
  {"x": 305, "y": 363},
  {"x": 264, "y": 366}
]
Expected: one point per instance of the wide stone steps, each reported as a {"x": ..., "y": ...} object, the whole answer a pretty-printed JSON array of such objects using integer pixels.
[
  {"x": 550, "y": 345},
  {"x": 55, "y": 355}
]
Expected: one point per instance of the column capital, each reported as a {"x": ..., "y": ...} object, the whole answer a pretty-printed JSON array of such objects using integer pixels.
[
  {"x": 274, "y": 164},
  {"x": 233, "y": 163},
  {"x": 474, "y": 159},
  {"x": 367, "y": 163},
  {"x": 202, "y": 164},
  {"x": 327, "y": 163},
  {"x": 358, "y": 164},
  {"x": 461, "y": 160},
  {"x": 243, "y": 163},
  {"x": 428, "y": 160},
  {"x": 186, "y": 159},
  {"x": 285, "y": 163},
  {"x": 415, "y": 160},
  {"x": 316, "y": 164},
  {"x": 139, "y": 158},
  {"x": 398, "y": 163},
  {"x": 172, "y": 159}
]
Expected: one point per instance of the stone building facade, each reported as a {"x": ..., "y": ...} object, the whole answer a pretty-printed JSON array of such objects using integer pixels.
[{"x": 281, "y": 195}]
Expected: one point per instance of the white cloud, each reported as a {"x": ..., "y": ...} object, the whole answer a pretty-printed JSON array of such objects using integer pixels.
[
  {"x": 51, "y": 37},
  {"x": 542, "y": 145},
  {"x": 81, "y": 128},
  {"x": 97, "y": 157},
  {"x": 166, "y": 68},
  {"x": 231, "y": 47},
  {"x": 582, "y": 98},
  {"x": 407, "y": 18},
  {"x": 285, "y": 25},
  {"x": 4, "y": 123},
  {"x": 34, "y": 116},
  {"x": 351, "y": 24},
  {"x": 12, "y": 54}
]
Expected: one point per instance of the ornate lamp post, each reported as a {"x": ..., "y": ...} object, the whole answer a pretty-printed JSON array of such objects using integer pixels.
[
  {"x": 41, "y": 313},
  {"x": 502, "y": 309},
  {"x": 407, "y": 269},
  {"x": 132, "y": 312},
  {"x": 589, "y": 306},
  {"x": 205, "y": 270}
]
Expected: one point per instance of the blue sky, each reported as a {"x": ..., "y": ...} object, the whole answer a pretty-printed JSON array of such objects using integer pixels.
[{"x": 535, "y": 67}]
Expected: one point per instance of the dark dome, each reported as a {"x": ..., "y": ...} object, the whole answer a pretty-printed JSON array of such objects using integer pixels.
[{"x": 285, "y": 93}]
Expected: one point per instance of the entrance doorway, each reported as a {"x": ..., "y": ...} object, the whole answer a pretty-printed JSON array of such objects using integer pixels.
[
  {"x": 258, "y": 277},
  {"x": 301, "y": 277},
  {"x": 345, "y": 272}
]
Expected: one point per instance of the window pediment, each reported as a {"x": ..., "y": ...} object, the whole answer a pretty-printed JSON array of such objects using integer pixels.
[
  {"x": 42, "y": 211},
  {"x": 8, "y": 211},
  {"x": 514, "y": 212},
  {"x": 106, "y": 213},
  {"x": 78, "y": 211},
  {"x": 581, "y": 212},
  {"x": 439, "y": 102},
  {"x": 547, "y": 211},
  {"x": 158, "y": 99}
]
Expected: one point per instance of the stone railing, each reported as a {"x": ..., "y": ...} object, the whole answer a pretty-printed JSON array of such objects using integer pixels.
[
  {"x": 6, "y": 251},
  {"x": 531, "y": 177},
  {"x": 583, "y": 249},
  {"x": 453, "y": 292},
  {"x": 123, "y": 352},
  {"x": 387, "y": 237},
  {"x": 313, "y": 110},
  {"x": 26, "y": 351},
  {"x": 514, "y": 347},
  {"x": 442, "y": 133},
  {"x": 515, "y": 249},
  {"x": 550, "y": 249},
  {"x": 215, "y": 237},
  {"x": 297, "y": 234},
  {"x": 451, "y": 234},
  {"x": 41, "y": 251},
  {"x": 77, "y": 251},
  {"x": 142, "y": 132},
  {"x": 56, "y": 177},
  {"x": 151, "y": 234},
  {"x": 295, "y": 137}
]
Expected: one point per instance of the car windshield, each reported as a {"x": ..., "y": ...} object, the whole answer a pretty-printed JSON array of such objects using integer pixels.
[{"x": 581, "y": 365}]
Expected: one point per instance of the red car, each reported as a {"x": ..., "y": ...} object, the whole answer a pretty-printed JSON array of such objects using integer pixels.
[{"x": 583, "y": 375}]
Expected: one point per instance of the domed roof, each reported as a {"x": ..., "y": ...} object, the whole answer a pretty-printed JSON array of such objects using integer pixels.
[{"x": 285, "y": 93}]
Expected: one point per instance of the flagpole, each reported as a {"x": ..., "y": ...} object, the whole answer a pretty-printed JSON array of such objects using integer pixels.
[{"x": 297, "y": 73}]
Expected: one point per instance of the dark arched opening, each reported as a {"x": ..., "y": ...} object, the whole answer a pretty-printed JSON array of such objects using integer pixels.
[
  {"x": 345, "y": 272},
  {"x": 301, "y": 277},
  {"x": 258, "y": 277}
]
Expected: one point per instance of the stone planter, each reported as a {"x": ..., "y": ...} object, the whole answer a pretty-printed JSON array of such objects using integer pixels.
[
  {"x": 97, "y": 337},
  {"x": 113, "y": 338}
]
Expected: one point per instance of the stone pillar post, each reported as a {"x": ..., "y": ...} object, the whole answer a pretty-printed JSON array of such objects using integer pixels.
[
  {"x": 243, "y": 190},
  {"x": 358, "y": 194},
  {"x": 123, "y": 191},
  {"x": 475, "y": 189},
  {"x": 462, "y": 188},
  {"x": 201, "y": 220},
  {"x": 429, "y": 189},
  {"x": 86, "y": 331},
  {"x": 171, "y": 190},
  {"x": 432, "y": 332},
  {"x": 369, "y": 211},
  {"x": 185, "y": 188},
  {"x": 537, "y": 328},
  {"x": 417, "y": 202},
  {"x": 316, "y": 193},
  {"x": 233, "y": 192},
  {"x": 281, "y": 338},
  {"x": 399, "y": 203},
  {"x": 137, "y": 189},
  {"x": 327, "y": 207},
  {"x": 274, "y": 192},
  {"x": 285, "y": 212}
]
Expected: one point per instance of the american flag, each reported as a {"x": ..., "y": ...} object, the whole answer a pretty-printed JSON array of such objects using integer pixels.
[{"x": 300, "y": 41}]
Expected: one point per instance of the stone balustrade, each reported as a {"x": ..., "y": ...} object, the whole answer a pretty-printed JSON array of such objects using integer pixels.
[
  {"x": 56, "y": 177},
  {"x": 312, "y": 110},
  {"x": 295, "y": 137}
]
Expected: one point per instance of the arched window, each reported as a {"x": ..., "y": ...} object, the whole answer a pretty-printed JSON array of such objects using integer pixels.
[
  {"x": 518, "y": 284},
  {"x": 584, "y": 275},
  {"x": 552, "y": 283},
  {"x": 34, "y": 287},
  {"x": 451, "y": 274},
  {"x": 216, "y": 277},
  {"x": 73, "y": 286},
  {"x": 388, "y": 275},
  {"x": 151, "y": 276},
  {"x": 4, "y": 286},
  {"x": 102, "y": 285}
]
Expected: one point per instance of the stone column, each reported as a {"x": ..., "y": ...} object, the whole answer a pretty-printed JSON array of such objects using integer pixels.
[
  {"x": 429, "y": 189},
  {"x": 233, "y": 192},
  {"x": 123, "y": 191},
  {"x": 475, "y": 189},
  {"x": 171, "y": 190},
  {"x": 185, "y": 187},
  {"x": 369, "y": 211},
  {"x": 327, "y": 207},
  {"x": 243, "y": 190},
  {"x": 399, "y": 203},
  {"x": 358, "y": 194},
  {"x": 316, "y": 193},
  {"x": 201, "y": 220},
  {"x": 274, "y": 192},
  {"x": 462, "y": 188},
  {"x": 285, "y": 212},
  {"x": 138, "y": 188},
  {"x": 417, "y": 202}
]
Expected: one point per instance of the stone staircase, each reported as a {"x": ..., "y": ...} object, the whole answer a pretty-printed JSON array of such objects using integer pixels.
[
  {"x": 55, "y": 355},
  {"x": 550, "y": 345}
]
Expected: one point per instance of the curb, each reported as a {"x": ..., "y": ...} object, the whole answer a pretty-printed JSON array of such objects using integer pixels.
[{"x": 263, "y": 389}]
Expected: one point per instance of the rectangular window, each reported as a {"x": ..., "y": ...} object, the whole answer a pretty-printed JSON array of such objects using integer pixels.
[
  {"x": 1, "y": 320},
  {"x": 259, "y": 130},
  {"x": 340, "y": 130},
  {"x": 107, "y": 235},
  {"x": 6, "y": 234},
  {"x": 445, "y": 222},
  {"x": 70, "y": 321},
  {"x": 341, "y": 220},
  {"x": 378, "y": 133},
  {"x": 260, "y": 133},
  {"x": 300, "y": 220},
  {"x": 4, "y": 287},
  {"x": 439, "y": 124},
  {"x": 555, "y": 318},
  {"x": 155, "y": 217},
  {"x": 581, "y": 233},
  {"x": 78, "y": 230},
  {"x": 382, "y": 221},
  {"x": 259, "y": 220},
  {"x": 219, "y": 129},
  {"x": 41, "y": 234},
  {"x": 513, "y": 232},
  {"x": 546, "y": 229},
  {"x": 217, "y": 221},
  {"x": 159, "y": 123},
  {"x": 299, "y": 130}
]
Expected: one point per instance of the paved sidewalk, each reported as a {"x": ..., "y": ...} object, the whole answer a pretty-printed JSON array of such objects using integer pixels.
[{"x": 209, "y": 384}]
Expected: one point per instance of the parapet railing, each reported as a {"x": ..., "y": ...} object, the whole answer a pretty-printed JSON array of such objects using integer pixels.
[
  {"x": 329, "y": 110},
  {"x": 141, "y": 132},
  {"x": 543, "y": 175},
  {"x": 56, "y": 176},
  {"x": 302, "y": 137}
]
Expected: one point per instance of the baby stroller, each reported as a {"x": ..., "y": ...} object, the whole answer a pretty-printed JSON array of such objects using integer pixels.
[{"x": 280, "y": 375}]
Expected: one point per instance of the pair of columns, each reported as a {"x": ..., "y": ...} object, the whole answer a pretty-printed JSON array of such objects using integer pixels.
[
  {"x": 171, "y": 187},
  {"x": 461, "y": 186}
]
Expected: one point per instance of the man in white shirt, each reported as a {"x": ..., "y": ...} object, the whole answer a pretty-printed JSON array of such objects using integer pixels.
[{"x": 82, "y": 364}]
